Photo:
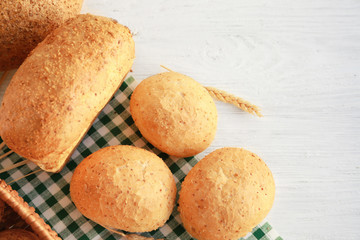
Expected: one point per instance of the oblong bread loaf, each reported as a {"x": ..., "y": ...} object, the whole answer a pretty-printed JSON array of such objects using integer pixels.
[
  {"x": 25, "y": 23},
  {"x": 61, "y": 87}
]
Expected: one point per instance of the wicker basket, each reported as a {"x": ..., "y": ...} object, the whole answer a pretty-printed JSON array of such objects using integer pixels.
[{"x": 27, "y": 213}]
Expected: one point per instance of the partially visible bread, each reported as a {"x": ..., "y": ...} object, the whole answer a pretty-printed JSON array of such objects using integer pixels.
[
  {"x": 17, "y": 234},
  {"x": 2, "y": 210},
  {"x": 124, "y": 187},
  {"x": 138, "y": 237},
  {"x": 226, "y": 194},
  {"x": 61, "y": 87},
  {"x": 25, "y": 23},
  {"x": 174, "y": 113}
]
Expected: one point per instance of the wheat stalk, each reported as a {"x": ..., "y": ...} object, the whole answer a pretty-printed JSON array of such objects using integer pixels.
[
  {"x": 6, "y": 154},
  {"x": 237, "y": 101},
  {"x": 229, "y": 98},
  {"x": 17, "y": 179},
  {"x": 15, "y": 166}
]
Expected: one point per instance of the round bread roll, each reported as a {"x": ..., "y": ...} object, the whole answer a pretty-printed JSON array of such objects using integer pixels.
[
  {"x": 124, "y": 187},
  {"x": 174, "y": 113},
  {"x": 17, "y": 234},
  {"x": 226, "y": 194},
  {"x": 25, "y": 23}
]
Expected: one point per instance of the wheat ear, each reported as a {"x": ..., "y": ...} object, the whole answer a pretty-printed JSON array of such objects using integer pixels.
[{"x": 238, "y": 102}]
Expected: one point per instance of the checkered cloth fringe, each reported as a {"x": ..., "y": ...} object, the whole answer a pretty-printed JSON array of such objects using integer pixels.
[{"x": 49, "y": 193}]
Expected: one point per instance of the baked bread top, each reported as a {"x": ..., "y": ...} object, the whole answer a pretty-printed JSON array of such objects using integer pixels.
[
  {"x": 124, "y": 187},
  {"x": 174, "y": 113},
  {"x": 17, "y": 234},
  {"x": 226, "y": 194},
  {"x": 61, "y": 87},
  {"x": 25, "y": 23}
]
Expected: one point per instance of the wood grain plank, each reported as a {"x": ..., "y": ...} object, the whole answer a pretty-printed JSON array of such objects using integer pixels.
[{"x": 299, "y": 61}]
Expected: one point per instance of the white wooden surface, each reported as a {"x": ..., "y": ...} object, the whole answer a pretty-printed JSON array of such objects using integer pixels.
[{"x": 299, "y": 61}]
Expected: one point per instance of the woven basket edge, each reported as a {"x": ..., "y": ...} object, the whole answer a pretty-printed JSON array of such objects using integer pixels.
[{"x": 12, "y": 198}]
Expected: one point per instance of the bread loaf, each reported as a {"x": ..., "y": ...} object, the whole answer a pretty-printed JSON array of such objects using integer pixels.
[
  {"x": 61, "y": 87},
  {"x": 124, "y": 187},
  {"x": 174, "y": 113},
  {"x": 226, "y": 194},
  {"x": 17, "y": 234},
  {"x": 25, "y": 23}
]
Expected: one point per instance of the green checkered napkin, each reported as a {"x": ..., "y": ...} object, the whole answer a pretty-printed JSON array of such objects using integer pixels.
[{"x": 49, "y": 193}]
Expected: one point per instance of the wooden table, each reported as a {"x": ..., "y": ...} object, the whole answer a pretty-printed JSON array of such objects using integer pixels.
[{"x": 299, "y": 61}]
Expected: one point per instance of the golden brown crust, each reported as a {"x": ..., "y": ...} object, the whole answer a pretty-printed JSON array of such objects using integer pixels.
[
  {"x": 174, "y": 113},
  {"x": 138, "y": 237},
  {"x": 226, "y": 194},
  {"x": 62, "y": 86},
  {"x": 17, "y": 234},
  {"x": 25, "y": 23},
  {"x": 124, "y": 187}
]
